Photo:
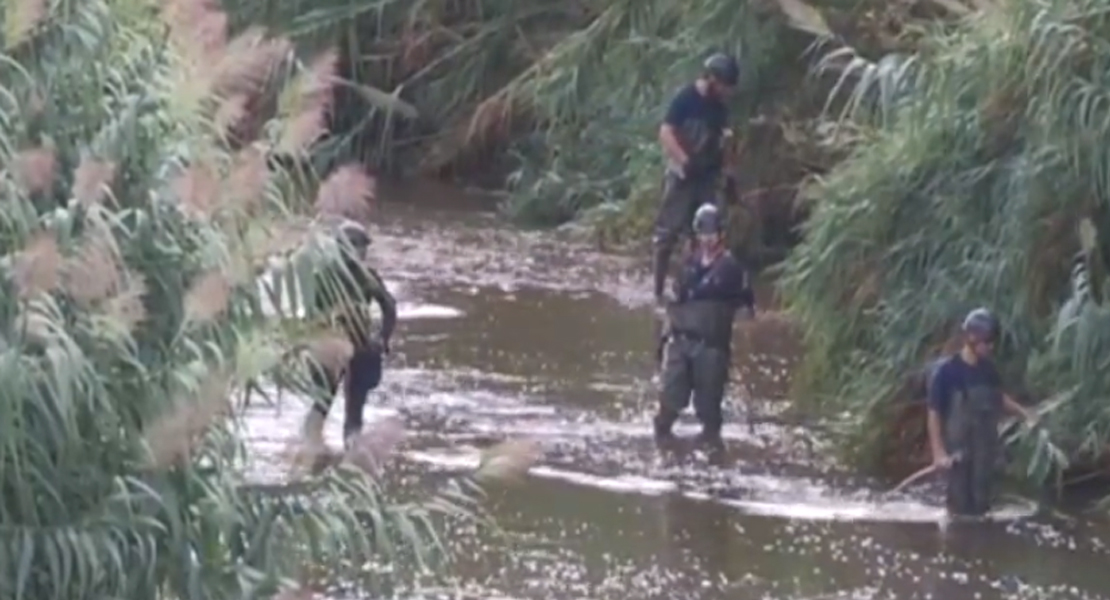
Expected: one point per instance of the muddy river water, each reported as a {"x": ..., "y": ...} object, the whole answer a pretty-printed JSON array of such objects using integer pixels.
[{"x": 517, "y": 334}]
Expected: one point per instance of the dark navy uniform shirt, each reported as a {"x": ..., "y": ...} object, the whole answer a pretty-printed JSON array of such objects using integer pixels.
[
  {"x": 723, "y": 280},
  {"x": 954, "y": 375},
  {"x": 699, "y": 121}
]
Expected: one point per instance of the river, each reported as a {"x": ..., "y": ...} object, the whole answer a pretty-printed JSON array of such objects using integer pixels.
[{"x": 521, "y": 334}]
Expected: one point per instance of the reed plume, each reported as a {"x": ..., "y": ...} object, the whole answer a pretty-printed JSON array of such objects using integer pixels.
[
  {"x": 347, "y": 193},
  {"x": 92, "y": 274},
  {"x": 208, "y": 297},
  {"x": 172, "y": 438},
  {"x": 92, "y": 180},
  {"x": 34, "y": 169},
  {"x": 23, "y": 18},
  {"x": 37, "y": 268}
]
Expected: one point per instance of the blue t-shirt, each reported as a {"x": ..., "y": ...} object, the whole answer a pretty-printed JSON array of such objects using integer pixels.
[
  {"x": 953, "y": 375},
  {"x": 699, "y": 121}
]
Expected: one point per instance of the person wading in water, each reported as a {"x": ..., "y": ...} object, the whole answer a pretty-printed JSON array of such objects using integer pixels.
[
  {"x": 711, "y": 287},
  {"x": 966, "y": 403},
  {"x": 692, "y": 136},
  {"x": 349, "y": 302}
]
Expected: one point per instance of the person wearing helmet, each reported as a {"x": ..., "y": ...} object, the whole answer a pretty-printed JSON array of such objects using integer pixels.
[
  {"x": 965, "y": 404},
  {"x": 346, "y": 293},
  {"x": 710, "y": 289},
  {"x": 692, "y": 136}
]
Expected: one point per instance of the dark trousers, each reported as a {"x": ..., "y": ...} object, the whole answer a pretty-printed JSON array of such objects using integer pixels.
[
  {"x": 681, "y": 199},
  {"x": 973, "y": 438},
  {"x": 693, "y": 369},
  {"x": 362, "y": 374}
]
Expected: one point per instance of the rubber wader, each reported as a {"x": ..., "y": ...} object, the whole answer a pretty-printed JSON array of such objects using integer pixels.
[{"x": 972, "y": 432}]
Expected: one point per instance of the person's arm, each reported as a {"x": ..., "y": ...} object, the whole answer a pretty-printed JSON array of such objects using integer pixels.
[
  {"x": 1015, "y": 408},
  {"x": 939, "y": 391},
  {"x": 737, "y": 287},
  {"x": 677, "y": 112},
  {"x": 377, "y": 291}
]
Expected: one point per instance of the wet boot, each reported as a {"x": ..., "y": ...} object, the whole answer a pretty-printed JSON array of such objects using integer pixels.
[
  {"x": 664, "y": 423},
  {"x": 710, "y": 438}
]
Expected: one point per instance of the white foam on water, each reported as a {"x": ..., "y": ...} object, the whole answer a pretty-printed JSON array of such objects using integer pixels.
[
  {"x": 290, "y": 301},
  {"x": 407, "y": 311},
  {"x": 814, "y": 508},
  {"x": 626, "y": 484},
  {"x": 621, "y": 483},
  {"x": 831, "y": 509}
]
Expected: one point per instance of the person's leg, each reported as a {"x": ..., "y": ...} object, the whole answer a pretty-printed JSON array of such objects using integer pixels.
[
  {"x": 676, "y": 386},
  {"x": 364, "y": 373},
  {"x": 710, "y": 367},
  {"x": 959, "y": 499},
  {"x": 985, "y": 457},
  {"x": 325, "y": 383},
  {"x": 672, "y": 220}
]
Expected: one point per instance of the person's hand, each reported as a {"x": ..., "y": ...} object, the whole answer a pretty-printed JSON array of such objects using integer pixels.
[
  {"x": 942, "y": 460},
  {"x": 383, "y": 343}
]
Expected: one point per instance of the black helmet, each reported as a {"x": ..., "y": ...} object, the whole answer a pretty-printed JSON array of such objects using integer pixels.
[
  {"x": 707, "y": 220},
  {"x": 981, "y": 322},
  {"x": 723, "y": 68},
  {"x": 355, "y": 234}
]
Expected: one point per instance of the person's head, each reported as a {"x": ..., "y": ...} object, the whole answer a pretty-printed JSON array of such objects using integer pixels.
[
  {"x": 709, "y": 228},
  {"x": 981, "y": 331},
  {"x": 722, "y": 72},
  {"x": 356, "y": 236}
]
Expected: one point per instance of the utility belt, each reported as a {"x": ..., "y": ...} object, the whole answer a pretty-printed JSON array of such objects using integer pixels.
[{"x": 697, "y": 338}]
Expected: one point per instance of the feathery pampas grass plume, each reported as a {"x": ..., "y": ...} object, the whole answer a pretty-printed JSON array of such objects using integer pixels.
[
  {"x": 197, "y": 189},
  {"x": 208, "y": 297},
  {"x": 370, "y": 449},
  {"x": 347, "y": 193},
  {"x": 312, "y": 105},
  {"x": 248, "y": 63},
  {"x": 126, "y": 308},
  {"x": 92, "y": 274},
  {"x": 34, "y": 169},
  {"x": 172, "y": 437},
  {"x": 247, "y": 180},
  {"x": 198, "y": 28},
  {"x": 24, "y": 16},
  {"x": 509, "y": 460},
  {"x": 331, "y": 351},
  {"x": 92, "y": 180},
  {"x": 37, "y": 268},
  {"x": 230, "y": 113}
]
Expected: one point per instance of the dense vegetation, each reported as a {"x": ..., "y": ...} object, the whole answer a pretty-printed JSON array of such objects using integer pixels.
[
  {"x": 979, "y": 178},
  {"x": 136, "y": 209}
]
